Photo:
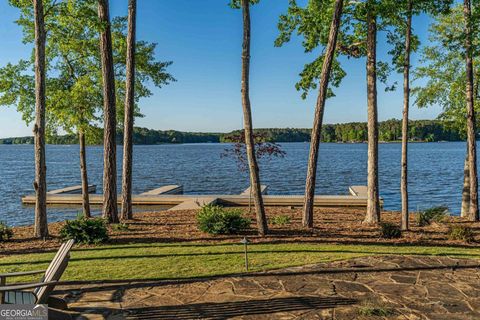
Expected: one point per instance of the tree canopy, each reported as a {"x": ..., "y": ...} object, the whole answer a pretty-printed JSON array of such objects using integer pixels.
[
  {"x": 74, "y": 83},
  {"x": 441, "y": 73}
]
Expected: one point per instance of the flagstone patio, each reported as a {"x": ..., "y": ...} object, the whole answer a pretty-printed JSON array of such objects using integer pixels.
[{"x": 382, "y": 287}]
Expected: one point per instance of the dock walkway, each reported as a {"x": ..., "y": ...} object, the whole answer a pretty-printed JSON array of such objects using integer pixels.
[
  {"x": 73, "y": 190},
  {"x": 169, "y": 189},
  {"x": 263, "y": 190}
]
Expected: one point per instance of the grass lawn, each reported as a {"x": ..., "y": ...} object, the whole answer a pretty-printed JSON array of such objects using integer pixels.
[{"x": 183, "y": 260}]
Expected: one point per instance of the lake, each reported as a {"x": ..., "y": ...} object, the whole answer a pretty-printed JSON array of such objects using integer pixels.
[{"x": 435, "y": 172}]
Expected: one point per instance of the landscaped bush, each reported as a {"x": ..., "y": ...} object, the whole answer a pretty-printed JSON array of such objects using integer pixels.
[
  {"x": 390, "y": 230},
  {"x": 462, "y": 233},
  {"x": 434, "y": 214},
  {"x": 5, "y": 231},
  {"x": 84, "y": 230},
  {"x": 218, "y": 220},
  {"x": 281, "y": 220},
  {"x": 120, "y": 227}
]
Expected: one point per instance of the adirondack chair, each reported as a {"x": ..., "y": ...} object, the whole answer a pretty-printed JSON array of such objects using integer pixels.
[{"x": 23, "y": 293}]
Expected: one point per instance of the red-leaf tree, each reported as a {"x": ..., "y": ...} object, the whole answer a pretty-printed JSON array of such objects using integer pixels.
[{"x": 264, "y": 149}]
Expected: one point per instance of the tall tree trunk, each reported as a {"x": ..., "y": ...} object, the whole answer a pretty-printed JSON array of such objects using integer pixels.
[
  {"x": 465, "y": 211},
  {"x": 250, "y": 199},
  {"x": 406, "y": 106},
  {"x": 129, "y": 109},
  {"x": 40, "y": 183},
  {"x": 373, "y": 203},
  {"x": 466, "y": 189},
  {"x": 110, "y": 211},
  {"x": 471, "y": 126},
  {"x": 84, "y": 174},
  {"x": 319, "y": 111},
  {"x": 247, "y": 122}
]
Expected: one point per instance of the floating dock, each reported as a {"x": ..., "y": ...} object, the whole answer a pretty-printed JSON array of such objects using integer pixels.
[
  {"x": 169, "y": 189},
  {"x": 163, "y": 197},
  {"x": 263, "y": 190},
  {"x": 73, "y": 190},
  {"x": 359, "y": 191}
]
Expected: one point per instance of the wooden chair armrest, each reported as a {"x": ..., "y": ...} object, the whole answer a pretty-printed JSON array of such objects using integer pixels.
[
  {"x": 25, "y": 286},
  {"x": 20, "y": 273}
]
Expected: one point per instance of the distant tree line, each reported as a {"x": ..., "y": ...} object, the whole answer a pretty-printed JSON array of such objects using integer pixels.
[
  {"x": 142, "y": 136},
  {"x": 389, "y": 131}
]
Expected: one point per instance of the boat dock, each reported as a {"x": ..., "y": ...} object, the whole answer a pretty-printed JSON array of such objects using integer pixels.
[
  {"x": 169, "y": 189},
  {"x": 73, "y": 190},
  {"x": 170, "y": 196},
  {"x": 263, "y": 190}
]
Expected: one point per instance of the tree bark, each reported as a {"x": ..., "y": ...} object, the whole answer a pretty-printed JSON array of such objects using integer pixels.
[
  {"x": 471, "y": 125},
  {"x": 110, "y": 211},
  {"x": 40, "y": 183},
  {"x": 307, "y": 220},
  {"x": 129, "y": 114},
  {"x": 466, "y": 189},
  {"x": 250, "y": 199},
  {"x": 373, "y": 203},
  {"x": 247, "y": 122},
  {"x": 406, "y": 106},
  {"x": 84, "y": 174}
]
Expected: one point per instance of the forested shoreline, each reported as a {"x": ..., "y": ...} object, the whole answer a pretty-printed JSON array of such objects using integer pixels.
[{"x": 389, "y": 131}]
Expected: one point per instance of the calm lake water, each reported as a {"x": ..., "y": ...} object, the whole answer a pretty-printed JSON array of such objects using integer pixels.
[{"x": 436, "y": 172}]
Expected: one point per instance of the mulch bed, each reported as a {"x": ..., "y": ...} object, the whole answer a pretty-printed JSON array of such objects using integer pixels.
[{"x": 332, "y": 225}]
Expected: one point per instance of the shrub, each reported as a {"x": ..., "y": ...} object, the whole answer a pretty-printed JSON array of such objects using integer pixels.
[
  {"x": 462, "y": 233},
  {"x": 217, "y": 220},
  {"x": 5, "y": 231},
  {"x": 390, "y": 230},
  {"x": 84, "y": 230},
  {"x": 375, "y": 311},
  {"x": 281, "y": 220},
  {"x": 120, "y": 227},
  {"x": 436, "y": 214},
  {"x": 371, "y": 309}
]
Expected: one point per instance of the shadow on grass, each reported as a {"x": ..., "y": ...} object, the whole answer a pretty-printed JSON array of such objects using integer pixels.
[
  {"x": 389, "y": 249},
  {"x": 227, "y": 310},
  {"x": 240, "y": 253},
  {"x": 122, "y": 285},
  {"x": 275, "y": 236}
]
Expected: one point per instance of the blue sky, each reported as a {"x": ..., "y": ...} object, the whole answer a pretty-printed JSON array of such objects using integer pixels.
[{"x": 203, "y": 39}]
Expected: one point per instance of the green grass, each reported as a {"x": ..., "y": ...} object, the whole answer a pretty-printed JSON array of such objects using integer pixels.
[
  {"x": 183, "y": 260},
  {"x": 376, "y": 311}
]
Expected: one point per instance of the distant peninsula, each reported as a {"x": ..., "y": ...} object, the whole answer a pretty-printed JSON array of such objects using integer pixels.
[{"x": 389, "y": 131}]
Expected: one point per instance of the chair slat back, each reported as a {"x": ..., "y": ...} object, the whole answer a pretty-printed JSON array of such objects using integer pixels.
[
  {"x": 54, "y": 271},
  {"x": 54, "y": 261}
]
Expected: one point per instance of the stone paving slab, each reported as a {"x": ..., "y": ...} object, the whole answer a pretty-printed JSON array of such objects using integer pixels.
[{"x": 382, "y": 287}]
